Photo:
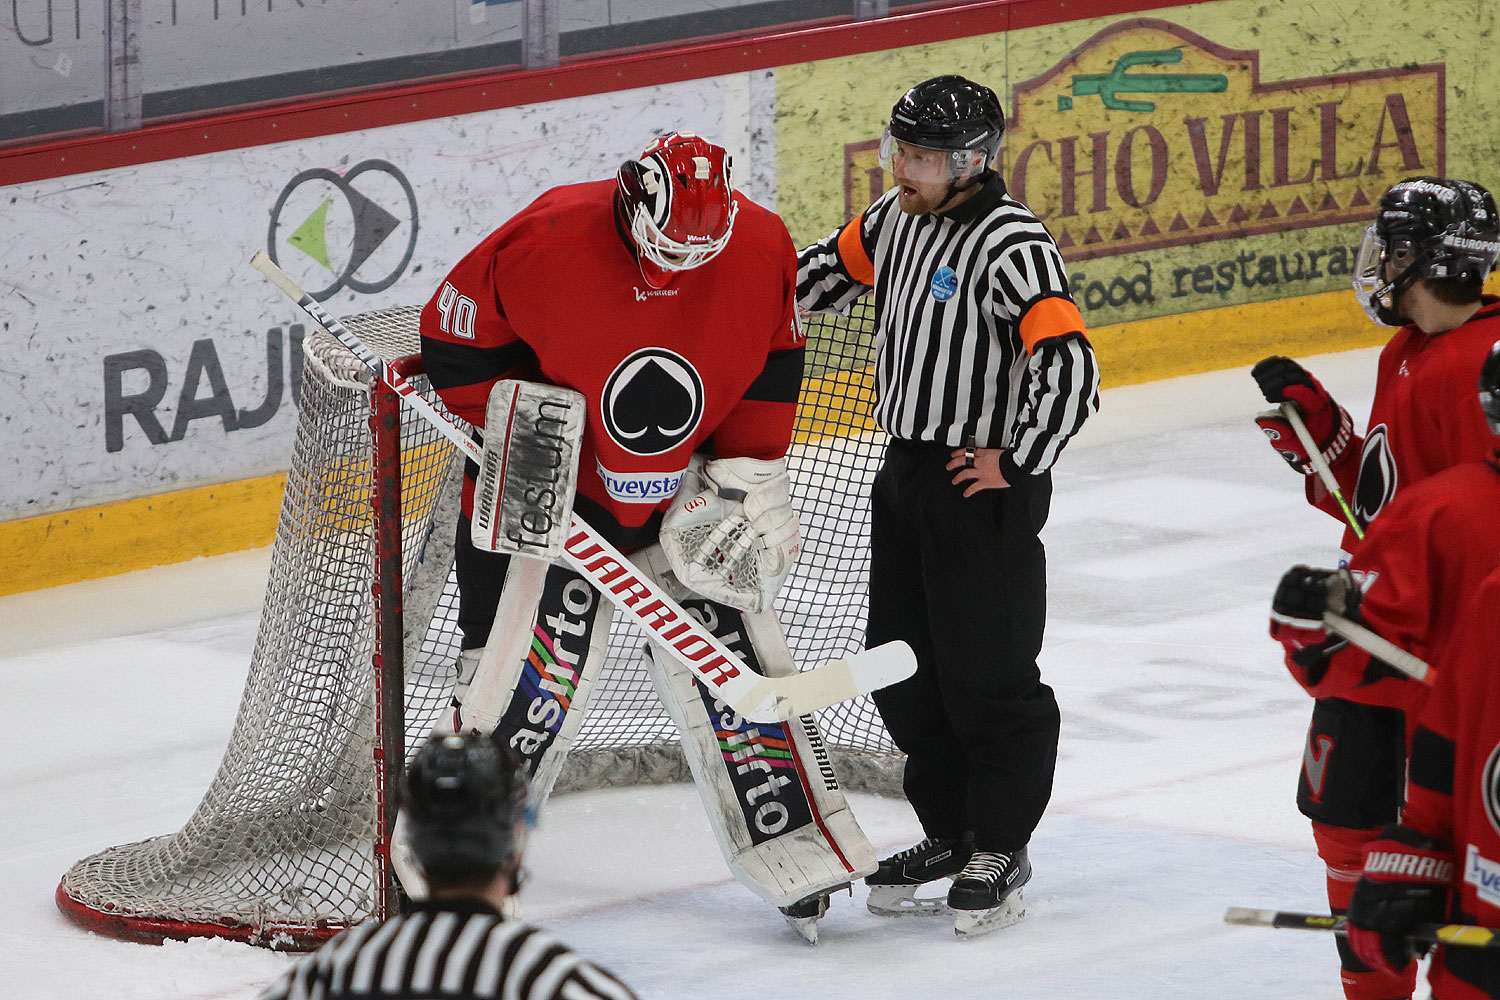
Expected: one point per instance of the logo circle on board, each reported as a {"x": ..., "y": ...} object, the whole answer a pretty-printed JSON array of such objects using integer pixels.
[
  {"x": 340, "y": 225},
  {"x": 652, "y": 401}
]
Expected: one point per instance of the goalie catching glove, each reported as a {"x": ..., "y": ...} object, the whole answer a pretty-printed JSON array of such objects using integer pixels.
[{"x": 734, "y": 535}]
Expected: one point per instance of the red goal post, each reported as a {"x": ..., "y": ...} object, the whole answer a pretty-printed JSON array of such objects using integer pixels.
[{"x": 354, "y": 657}]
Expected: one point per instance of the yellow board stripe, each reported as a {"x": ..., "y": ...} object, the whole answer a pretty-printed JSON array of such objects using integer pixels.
[{"x": 91, "y": 542}]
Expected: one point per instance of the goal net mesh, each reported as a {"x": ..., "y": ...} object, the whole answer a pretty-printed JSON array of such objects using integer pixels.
[{"x": 282, "y": 851}]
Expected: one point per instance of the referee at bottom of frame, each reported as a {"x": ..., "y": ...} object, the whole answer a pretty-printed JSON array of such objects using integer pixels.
[{"x": 466, "y": 808}]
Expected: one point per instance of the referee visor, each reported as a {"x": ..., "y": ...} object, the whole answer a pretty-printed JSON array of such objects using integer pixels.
[{"x": 922, "y": 165}]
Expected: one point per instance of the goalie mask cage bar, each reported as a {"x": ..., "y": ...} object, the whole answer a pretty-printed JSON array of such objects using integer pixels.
[{"x": 354, "y": 658}]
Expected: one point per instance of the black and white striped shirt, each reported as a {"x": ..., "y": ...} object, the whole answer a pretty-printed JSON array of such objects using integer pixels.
[
  {"x": 977, "y": 335},
  {"x": 461, "y": 950}
]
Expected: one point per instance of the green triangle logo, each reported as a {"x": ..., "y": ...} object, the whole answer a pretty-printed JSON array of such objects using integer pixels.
[{"x": 311, "y": 236}]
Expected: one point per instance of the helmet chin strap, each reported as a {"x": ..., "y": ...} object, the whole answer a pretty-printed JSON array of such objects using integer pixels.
[
  {"x": 955, "y": 189},
  {"x": 1399, "y": 287}
]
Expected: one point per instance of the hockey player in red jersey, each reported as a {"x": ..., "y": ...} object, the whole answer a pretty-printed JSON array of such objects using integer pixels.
[
  {"x": 1421, "y": 266},
  {"x": 667, "y": 300},
  {"x": 1442, "y": 863}
]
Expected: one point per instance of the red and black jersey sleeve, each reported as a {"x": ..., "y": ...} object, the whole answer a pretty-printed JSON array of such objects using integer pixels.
[
  {"x": 1437, "y": 539},
  {"x": 467, "y": 342},
  {"x": 760, "y": 424}
]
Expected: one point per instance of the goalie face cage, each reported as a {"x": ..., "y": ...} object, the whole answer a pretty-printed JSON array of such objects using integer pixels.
[{"x": 353, "y": 662}]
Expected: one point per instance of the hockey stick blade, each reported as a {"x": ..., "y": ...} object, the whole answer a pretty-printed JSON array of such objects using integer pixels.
[
  {"x": 1461, "y": 935},
  {"x": 757, "y": 698},
  {"x": 833, "y": 682}
]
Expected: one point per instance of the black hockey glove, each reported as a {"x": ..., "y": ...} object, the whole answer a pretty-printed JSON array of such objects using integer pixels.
[
  {"x": 1406, "y": 882},
  {"x": 1297, "y": 608},
  {"x": 1284, "y": 380}
]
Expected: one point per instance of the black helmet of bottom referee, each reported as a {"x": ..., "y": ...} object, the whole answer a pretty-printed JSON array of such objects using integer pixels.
[
  {"x": 951, "y": 114},
  {"x": 466, "y": 809},
  {"x": 1489, "y": 388},
  {"x": 1427, "y": 228}
]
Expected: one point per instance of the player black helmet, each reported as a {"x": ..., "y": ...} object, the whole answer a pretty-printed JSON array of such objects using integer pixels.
[
  {"x": 1426, "y": 227},
  {"x": 1489, "y": 388},
  {"x": 464, "y": 797}
]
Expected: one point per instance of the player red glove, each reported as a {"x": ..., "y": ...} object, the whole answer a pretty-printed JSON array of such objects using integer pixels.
[
  {"x": 1283, "y": 380},
  {"x": 1302, "y": 596},
  {"x": 1406, "y": 882}
]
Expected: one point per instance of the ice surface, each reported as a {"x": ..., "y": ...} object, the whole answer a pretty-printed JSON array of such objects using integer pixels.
[{"x": 1171, "y": 523}]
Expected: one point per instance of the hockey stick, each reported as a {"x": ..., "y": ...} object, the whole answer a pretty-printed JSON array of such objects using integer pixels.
[
  {"x": 757, "y": 698},
  {"x": 1293, "y": 416},
  {"x": 1462, "y": 935},
  {"x": 1380, "y": 648}
]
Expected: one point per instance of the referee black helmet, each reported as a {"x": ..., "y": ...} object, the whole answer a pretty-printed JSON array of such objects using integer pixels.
[
  {"x": 466, "y": 809},
  {"x": 950, "y": 112}
]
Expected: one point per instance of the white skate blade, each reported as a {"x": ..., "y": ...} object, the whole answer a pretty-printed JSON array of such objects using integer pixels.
[
  {"x": 972, "y": 923},
  {"x": 903, "y": 901},
  {"x": 806, "y": 927}
]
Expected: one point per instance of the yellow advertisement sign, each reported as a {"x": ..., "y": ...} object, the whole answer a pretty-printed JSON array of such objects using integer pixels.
[{"x": 1148, "y": 136}]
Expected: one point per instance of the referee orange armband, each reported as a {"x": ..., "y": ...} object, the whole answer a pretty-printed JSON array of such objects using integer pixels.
[
  {"x": 1049, "y": 317},
  {"x": 852, "y": 252}
]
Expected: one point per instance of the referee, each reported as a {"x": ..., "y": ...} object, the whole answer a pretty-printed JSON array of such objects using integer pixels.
[
  {"x": 982, "y": 374},
  {"x": 466, "y": 806}
]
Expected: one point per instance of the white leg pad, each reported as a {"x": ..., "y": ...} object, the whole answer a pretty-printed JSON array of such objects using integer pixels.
[{"x": 771, "y": 794}]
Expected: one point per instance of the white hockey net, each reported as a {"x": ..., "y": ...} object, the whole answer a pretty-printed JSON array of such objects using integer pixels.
[{"x": 287, "y": 846}]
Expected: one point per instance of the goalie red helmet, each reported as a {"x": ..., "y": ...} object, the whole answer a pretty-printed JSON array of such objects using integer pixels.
[
  {"x": 1427, "y": 227},
  {"x": 1489, "y": 388},
  {"x": 678, "y": 201},
  {"x": 465, "y": 796}
]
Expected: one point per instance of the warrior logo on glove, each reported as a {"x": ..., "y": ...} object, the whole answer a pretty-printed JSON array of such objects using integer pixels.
[{"x": 1490, "y": 783}]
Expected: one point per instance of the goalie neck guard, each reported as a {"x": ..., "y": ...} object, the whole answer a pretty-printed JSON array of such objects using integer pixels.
[{"x": 678, "y": 202}]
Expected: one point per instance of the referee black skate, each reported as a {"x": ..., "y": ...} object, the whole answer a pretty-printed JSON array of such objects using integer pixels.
[
  {"x": 982, "y": 374},
  {"x": 466, "y": 805}
]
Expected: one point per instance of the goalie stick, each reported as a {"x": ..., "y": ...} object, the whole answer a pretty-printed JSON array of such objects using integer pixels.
[
  {"x": 757, "y": 698},
  {"x": 1461, "y": 935}
]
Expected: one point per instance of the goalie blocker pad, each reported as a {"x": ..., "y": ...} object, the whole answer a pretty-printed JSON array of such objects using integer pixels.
[
  {"x": 769, "y": 789},
  {"x": 523, "y": 498}
]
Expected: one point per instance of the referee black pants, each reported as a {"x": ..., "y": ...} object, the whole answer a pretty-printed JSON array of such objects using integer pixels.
[{"x": 965, "y": 583}]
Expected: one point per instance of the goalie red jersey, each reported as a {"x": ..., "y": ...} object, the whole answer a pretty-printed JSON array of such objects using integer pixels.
[
  {"x": 1409, "y": 438},
  {"x": 1453, "y": 791},
  {"x": 710, "y": 361}
]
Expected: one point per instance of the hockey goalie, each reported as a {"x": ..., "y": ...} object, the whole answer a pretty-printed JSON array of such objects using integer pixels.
[{"x": 662, "y": 301}]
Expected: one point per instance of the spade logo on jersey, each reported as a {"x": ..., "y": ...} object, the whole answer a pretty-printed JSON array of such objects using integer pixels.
[
  {"x": 653, "y": 401},
  {"x": 1489, "y": 787},
  {"x": 1377, "y": 475}
]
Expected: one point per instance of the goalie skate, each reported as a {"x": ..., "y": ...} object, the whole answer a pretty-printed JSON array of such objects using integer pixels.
[
  {"x": 895, "y": 884},
  {"x": 803, "y": 915},
  {"x": 987, "y": 896}
]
